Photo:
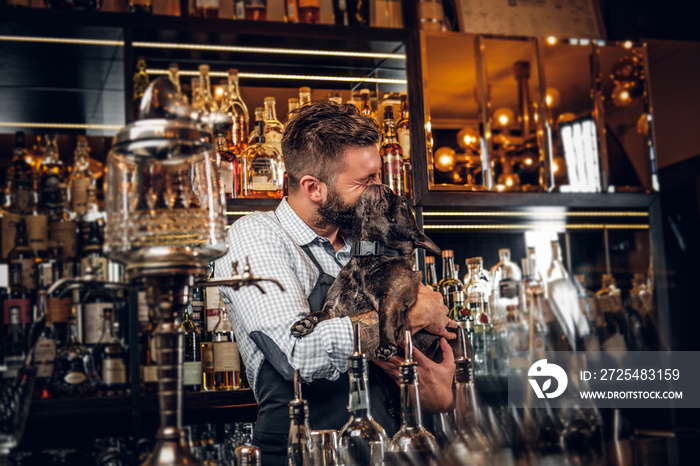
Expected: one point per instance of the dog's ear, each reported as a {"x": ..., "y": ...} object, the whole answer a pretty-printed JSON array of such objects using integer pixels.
[{"x": 422, "y": 241}]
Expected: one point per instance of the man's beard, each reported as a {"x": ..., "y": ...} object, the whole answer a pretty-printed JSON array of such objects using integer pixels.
[{"x": 336, "y": 212}]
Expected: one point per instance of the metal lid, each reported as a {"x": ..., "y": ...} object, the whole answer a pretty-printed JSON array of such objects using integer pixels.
[
  {"x": 247, "y": 455},
  {"x": 161, "y": 128}
]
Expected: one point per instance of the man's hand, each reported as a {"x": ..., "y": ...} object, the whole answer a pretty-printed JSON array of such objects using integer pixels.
[
  {"x": 434, "y": 380},
  {"x": 429, "y": 313}
]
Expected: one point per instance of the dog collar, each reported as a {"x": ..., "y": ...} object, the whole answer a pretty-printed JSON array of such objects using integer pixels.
[{"x": 373, "y": 248}]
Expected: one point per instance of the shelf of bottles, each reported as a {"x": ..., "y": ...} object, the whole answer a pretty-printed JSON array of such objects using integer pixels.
[{"x": 536, "y": 115}]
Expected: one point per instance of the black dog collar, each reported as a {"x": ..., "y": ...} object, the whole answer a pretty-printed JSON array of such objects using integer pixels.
[{"x": 373, "y": 248}]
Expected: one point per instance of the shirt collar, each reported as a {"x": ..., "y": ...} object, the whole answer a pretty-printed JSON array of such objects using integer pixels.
[{"x": 301, "y": 233}]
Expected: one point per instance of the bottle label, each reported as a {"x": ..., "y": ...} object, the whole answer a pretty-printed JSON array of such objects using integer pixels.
[
  {"x": 93, "y": 318},
  {"x": 226, "y": 172},
  {"x": 192, "y": 373},
  {"x": 404, "y": 137},
  {"x": 37, "y": 231},
  {"x": 509, "y": 288},
  {"x": 67, "y": 234},
  {"x": 45, "y": 355},
  {"x": 28, "y": 272},
  {"x": 207, "y": 4},
  {"x": 58, "y": 309},
  {"x": 226, "y": 358},
  {"x": 79, "y": 195},
  {"x": 113, "y": 371},
  {"x": 50, "y": 194},
  {"x": 75, "y": 378},
  {"x": 9, "y": 229},
  {"x": 24, "y": 310},
  {"x": 100, "y": 262},
  {"x": 149, "y": 374},
  {"x": 207, "y": 357},
  {"x": 13, "y": 364},
  {"x": 309, "y": 3},
  {"x": 142, "y": 306}
]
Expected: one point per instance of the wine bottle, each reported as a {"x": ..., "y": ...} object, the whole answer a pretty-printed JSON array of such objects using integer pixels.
[
  {"x": 110, "y": 357},
  {"x": 192, "y": 364},
  {"x": 227, "y": 366}
]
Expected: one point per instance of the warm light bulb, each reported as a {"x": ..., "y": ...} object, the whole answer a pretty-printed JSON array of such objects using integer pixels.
[
  {"x": 444, "y": 159},
  {"x": 627, "y": 44},
  {"x": 468, "y": 138},
  {"x": 528, "y": 161},
  {"x": 552, "y": 97},
  {"x": 503, "y": 117},
  {"x": 551, "y": 40}
]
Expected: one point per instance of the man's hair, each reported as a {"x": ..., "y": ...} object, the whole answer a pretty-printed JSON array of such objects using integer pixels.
[{"x": 317, "y": 137}]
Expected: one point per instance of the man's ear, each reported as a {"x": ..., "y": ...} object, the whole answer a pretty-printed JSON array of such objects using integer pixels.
[{"x": 315, "y": 190}]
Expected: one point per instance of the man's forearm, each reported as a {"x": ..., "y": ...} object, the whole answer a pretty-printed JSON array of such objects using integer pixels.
[{"x": 369, "y": 332}]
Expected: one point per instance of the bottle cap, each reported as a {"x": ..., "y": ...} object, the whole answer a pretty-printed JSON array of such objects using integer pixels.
[
  {"x": 504, "y": 251},
  {"x": 204, "y": 69},
  {"x": 304, "y": 89},
  {"x": 269, "y": 99},
  {"x": 233, "y": 71},
  {"x": 364, "y": 91},
  {"x": 447, "y": 253},
  {"x": 473, "y": 262},
  {"x": 429, "y": 260}
]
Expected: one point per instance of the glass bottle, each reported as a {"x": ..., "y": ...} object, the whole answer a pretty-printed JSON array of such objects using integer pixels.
[
  {"x": 612, "y": 325},
  {"x": 506, "y": 277},
  {"x": 531, "y": 306},
  {"x": 58, "y": 307},
  {"x": 259, "y": 117},
  {"x": 261, "y": 163},
  {"x": 74, "y": 371},
  {"x": 341, "y": 16},
  {"x": 92, "y": 255},
  {"x": 141, "y": 6},
  {"x": 230, "y": 168},
  {"x": 477, "y": 295},
  {"x": 37, "y": 223},
  {"x": 431, "y": 279},
  {"x": 96, "y": 303},
  {"x": 392, "y": 158},
  {"x": 205, "y": 9},
  {"x": 111, "y": 358},
  {"x": 148, "y": 364},
  {"x": 23, "y": 257},
  {"x": 192, "y": 364},
  {"x": 255, "y": 10},
  {"x": 642, "y": 303},
  {"x": 44, "y": 348},
  {"x": 299, "y": 446},
  {"x": 291, "y": 11},
  {"x": 206, "y": 103},
  {"x": 304, "y": 96},
  {"x": 292, "y": 107},
  {"x": 227, "y": 366},
  {"x": 459, "y": 311},
  {"x": 14, "y": 346},
  {"x": 403, "y": 135},
  {"x": 238, "y": 111},
  {"x": 20, "y": 186},
  {"x": 366, "y": 107},
  {"x": 81, "y": 177},
  {"x": 274, "y": 129},
  {"x": 557, "y": 307},
  {"x": 309, "y": 11},
  {"x": 412, "y": 444},
  {"x": 63, "y": 229},
  {"x": 362, "y": 439},
  {"x": 141, "y": 81},
  {"x": 19, "y": 298},
  {"x": 174, "y": 76},
  {"x": 448, "y": 284}
]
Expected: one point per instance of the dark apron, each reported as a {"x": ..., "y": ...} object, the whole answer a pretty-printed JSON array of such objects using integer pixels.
[{"x": 327, "y": 399}]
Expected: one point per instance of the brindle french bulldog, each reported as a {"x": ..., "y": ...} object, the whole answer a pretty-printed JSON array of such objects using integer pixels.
[{"x": 378, "y": 282}]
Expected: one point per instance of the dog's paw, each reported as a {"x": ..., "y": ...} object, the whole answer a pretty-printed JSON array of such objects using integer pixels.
[
  {"x": 385, "y": 352},
  {"x": 304, "y": 326}
]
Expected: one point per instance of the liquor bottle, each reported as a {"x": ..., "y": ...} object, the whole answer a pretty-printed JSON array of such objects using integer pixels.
[
  {"x": 470, "y": 445},
  {"x": 403, "y": 135},
  {"x": 140, "y": 84},
  {"x": 74, "y": 371},
  {"x": 174, "y": 76},
  {"x": 19, "y": 298},
  {"x": 304, "y": 96},
  {"x": 23, "y": 257},
  {"x": 92, "y": 255},
  {"x": 460, "y": 311},
  {"x": 58, "y": 307},
  {"x": 14, "y": 346},
  {"x": 63, "y": 230},
  {"x": 148, "y": 363},
  {"x": 412, "y": 444},
  {"x": 531, "y": 306},
  {"x": 36, "y": 220},
  {"x": 259, "y": 117},
  {"x": 261, "y": 163},
  {"x": 255, "y": 10},
  {"x": 20, "y": 185},
  {"x": 238, "y": 111},
  {"x": 299, "y": 446},
  {"x": 477, "y": 302},
  {"x": 292, "y": 107},
  {"x": 110, "y": 358},
  {"x": 506, "y": 277},
  {"x": 362, "y": 439},
  {"x": 229, "y": 170},
  {"x": 366, "y": 108},
  {"x": 274, "y": 129},
  {"x": 81, "y": 177},
  {"x": 431, "y": 279},
  {"x": 199, "y": 309},
  {"x": 386, "y": 13},
  {"x": 206, "y": 9},
  {"x": 612, "y": 325},
  {"x": 514, "y": 344},
  {"x": 642, "y": 303},
  {"x": 44, "y": 348},
  {"x": 291, "y": 11},
  {"x": 448, "y": 284},
  {"x": 392, "y": 158},
  {"x": 95, "y": 304},
  {"x": 309, "y": 11},
  {"x": 207, "y": 103},
  {"x": 141, "y": 6},
  {"x": 341, "y": 15},
  {"x": 192, "y": 364},
  {"x": 227, "y": 366},
  {"x": 560, "y": 304}
]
